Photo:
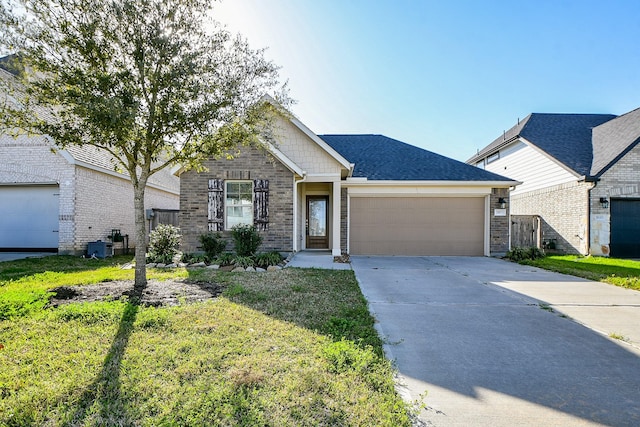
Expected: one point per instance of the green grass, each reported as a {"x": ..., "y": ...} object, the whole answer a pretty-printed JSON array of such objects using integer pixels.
[
  {"x": 290, "y": 348},
  {"x": 620, "y": 272}
]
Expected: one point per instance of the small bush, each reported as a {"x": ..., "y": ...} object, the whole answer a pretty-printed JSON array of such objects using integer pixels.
[
  {"x": 164, "y": 242},
  {"x": 246, "y": 239},
  {"x": 213, "y": 244},
  {"x": 521, "y": 254},
  {"x": 191, "y": 258},
  {"x": 243, "y": 261},
  {"x": 266, "y": 259},
  {"x": 226, "y": 258}
]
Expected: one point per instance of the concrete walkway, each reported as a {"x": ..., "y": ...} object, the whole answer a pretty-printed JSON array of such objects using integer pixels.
[
  {"x": 12, "y": 256},
  {"x": 499, "y": 344},
  {"x": 317, "y": 259}
]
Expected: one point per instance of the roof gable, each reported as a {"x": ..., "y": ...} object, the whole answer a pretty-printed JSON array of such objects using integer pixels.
[
  {"x": 566, "y": 138},
  {"x": 613, "y": 139},
  {"x": 378, "y": 157}
]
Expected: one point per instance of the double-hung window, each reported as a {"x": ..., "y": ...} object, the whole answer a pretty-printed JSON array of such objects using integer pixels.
[{"x": 238, "y": 205}]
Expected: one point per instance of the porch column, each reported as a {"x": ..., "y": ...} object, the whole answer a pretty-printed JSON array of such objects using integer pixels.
[{"x": 335, "y": 238}]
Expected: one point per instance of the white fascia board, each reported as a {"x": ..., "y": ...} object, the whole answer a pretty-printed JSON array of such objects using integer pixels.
[
  {"x": 121, "y": 176},
  {"x": 323, "y": 177},
  {"x": 290, "y": 164},
  {"x": 550, "y": 157},
  {"x": 355, "y": 182},
  {"x": 326, "y": 147}
]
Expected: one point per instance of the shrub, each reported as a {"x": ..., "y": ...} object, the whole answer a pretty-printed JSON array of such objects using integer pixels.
[
  {"x": 191, "y": 258},
  {"x": 266, "y": 259},
  {"x": 243, "y": 261},
  {"x": 164, "y": 242},
  {"x": 226, "y": 258},
  {"x": 213, "y": 244},
  {"x": 246, "y": 239},
  {"x": 521, "y": 254}
]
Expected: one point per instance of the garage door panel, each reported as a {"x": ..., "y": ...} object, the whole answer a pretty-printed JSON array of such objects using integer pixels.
[
  {"x": 625, "y": 228},
  {"x": 417, "y": 226},
  {"x": 29, "y": 217}
]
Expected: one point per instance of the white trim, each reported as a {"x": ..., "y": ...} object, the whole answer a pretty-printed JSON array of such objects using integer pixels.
[
  {"x": 73, "y": 161},
  {"x": 445, "y": 183},
  {"x": 419, "y": 191},
  {"x": 326, "y": 147},
  {"x": 487, "y": 225},
  {"x": 290, "y": 164},
  {"x": 226, "y": 205},
  {"x": 550, "y": 157},
  {"x": 336, "y": 223}
]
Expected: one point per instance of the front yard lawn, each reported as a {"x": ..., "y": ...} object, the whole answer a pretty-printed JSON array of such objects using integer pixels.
[
  {"x": 295, "y": 347},
  {"x": 619, "y": 272}
]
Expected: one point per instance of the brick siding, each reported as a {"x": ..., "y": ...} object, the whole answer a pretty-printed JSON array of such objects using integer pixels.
[
  {"x": 499, "y": 225},
  {"x": 251, "y": 163},
  {"x": 563, "y": 211},
  {"x": 619, "y": 182}
]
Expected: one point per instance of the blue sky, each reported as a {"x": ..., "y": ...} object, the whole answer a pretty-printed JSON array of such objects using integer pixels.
[{"x": 448, "y": 76}]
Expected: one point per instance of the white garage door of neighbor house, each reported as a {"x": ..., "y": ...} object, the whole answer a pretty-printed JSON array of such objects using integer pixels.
[
  {"x": 417, "y": 226},
  {"x": 29, "y": 217}
]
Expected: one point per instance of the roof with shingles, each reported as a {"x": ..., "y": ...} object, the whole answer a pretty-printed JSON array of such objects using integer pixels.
[
  {"x": 613, "y": 139},
  {"x": 377, "y": 157},
  {"x": 565, "y": 137},
  {"x": 87, "y": 154}
]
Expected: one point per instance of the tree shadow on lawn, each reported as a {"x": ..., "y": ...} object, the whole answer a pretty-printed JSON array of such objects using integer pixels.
[
  {"x": 104, "y": 401},
  {"x": 103, "y": 398}
]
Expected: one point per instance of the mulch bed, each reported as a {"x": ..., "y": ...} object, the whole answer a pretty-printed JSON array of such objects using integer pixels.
[{"x": 156, "y": 293}]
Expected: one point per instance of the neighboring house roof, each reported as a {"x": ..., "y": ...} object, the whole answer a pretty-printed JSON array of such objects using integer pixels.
[
  {"x": 613, "y": 139},
  {"x": 568, "y": 138},
  {"x": 90, "y": 156},
  {"x": 377, "y": 157}
]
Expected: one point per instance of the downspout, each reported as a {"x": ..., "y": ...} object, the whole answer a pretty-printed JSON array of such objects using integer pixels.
[{"x": 295, "y": 209}]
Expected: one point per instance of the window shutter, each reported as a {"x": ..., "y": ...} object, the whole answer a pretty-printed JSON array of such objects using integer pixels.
[
  {"x": 261, "y": 204},
  {"x": 216, "y": 205}
]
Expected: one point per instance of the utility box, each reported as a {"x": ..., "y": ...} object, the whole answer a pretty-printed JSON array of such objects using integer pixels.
[{"x": 99, "y": 249}]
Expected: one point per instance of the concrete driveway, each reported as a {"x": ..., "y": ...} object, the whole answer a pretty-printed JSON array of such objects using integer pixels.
[{"x": 499, "y": 344}]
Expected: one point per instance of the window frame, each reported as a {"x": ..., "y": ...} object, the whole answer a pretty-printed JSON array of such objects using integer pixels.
[
  {"x": 492, "y": 158},
  {"x": 228, "y": 205}
]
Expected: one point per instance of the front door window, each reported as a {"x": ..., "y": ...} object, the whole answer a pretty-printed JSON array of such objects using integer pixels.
[{"x": 317, "y": 224}]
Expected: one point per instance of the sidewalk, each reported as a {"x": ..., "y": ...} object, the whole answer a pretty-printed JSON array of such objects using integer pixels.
[{"x": 317, "y": 259}]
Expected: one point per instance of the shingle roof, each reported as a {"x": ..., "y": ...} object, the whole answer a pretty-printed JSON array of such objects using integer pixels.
[
  {"x": 613, "y": 139},
  {"x": 90, "y": 155},
  {"x": 565, "y": 137},
  {"x": 377, "y": 157}
]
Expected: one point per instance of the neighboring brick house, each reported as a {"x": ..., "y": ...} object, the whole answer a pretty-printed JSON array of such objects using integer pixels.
[
  {"x": 580, "y": 177},
  {"x": 58, "y": 200},
  {"x": 358, "y": 194}
]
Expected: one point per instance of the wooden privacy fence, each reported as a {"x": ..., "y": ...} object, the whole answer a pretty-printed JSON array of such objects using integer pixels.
[
  {"x": 525, "y": 231},
  {"x": 164, "y": 216}
]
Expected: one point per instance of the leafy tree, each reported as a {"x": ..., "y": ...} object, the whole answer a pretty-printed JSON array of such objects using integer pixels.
[{"x": 155, "y": 83}]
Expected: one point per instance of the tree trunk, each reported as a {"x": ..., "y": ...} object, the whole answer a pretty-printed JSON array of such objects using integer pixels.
[{"x": 141, "y": 236}]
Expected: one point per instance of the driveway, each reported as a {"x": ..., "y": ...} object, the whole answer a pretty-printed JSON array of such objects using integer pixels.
[{"x": 499, "y": 344}]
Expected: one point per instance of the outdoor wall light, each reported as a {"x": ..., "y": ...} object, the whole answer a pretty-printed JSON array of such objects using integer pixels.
[
  {"x": 503, "y": 202},
  {"x": 604, "y": 202}
]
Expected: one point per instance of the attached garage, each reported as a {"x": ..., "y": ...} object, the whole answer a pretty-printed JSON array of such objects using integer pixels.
[
  {"x": 625, "y": 228},
  {"x": 429, "y": 226},
  {"x": 29, "y": 217}
]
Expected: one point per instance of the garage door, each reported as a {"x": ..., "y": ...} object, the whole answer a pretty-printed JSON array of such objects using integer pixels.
[
  {"x": 417, "y": 226},
  {"x": 625, "y": 228},
  {"x": 29, "y": 217}
]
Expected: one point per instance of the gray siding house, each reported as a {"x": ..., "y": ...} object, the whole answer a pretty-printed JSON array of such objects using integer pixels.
[{"x": 580, "y": 177}]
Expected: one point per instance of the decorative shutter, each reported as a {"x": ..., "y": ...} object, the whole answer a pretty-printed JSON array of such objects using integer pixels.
[
  {"x": 261, "y": 204},
  {"x": 216, "y": 205}
]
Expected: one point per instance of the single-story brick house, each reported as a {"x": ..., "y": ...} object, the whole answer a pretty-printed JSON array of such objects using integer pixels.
[
  {"x": 357, "y": 194},
  {"x": 580, "y": 177},
  {"x": 59, "y": 200}
]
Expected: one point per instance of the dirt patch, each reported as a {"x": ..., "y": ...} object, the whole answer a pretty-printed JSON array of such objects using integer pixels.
[{"x": 156, "y": 293}]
